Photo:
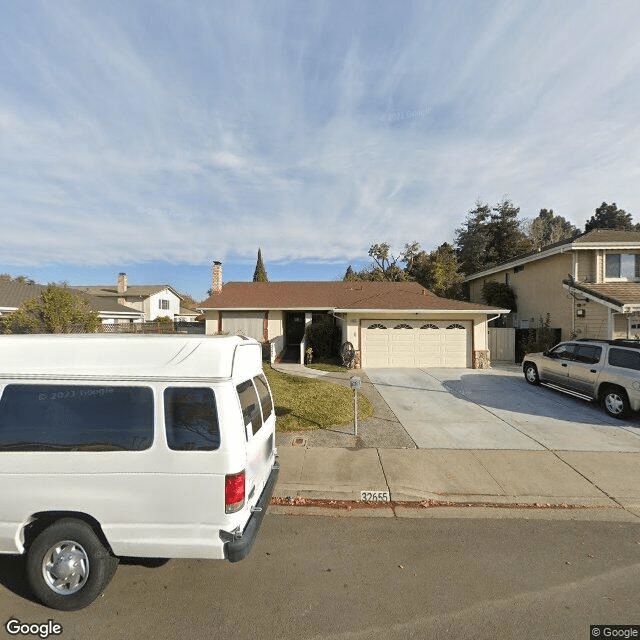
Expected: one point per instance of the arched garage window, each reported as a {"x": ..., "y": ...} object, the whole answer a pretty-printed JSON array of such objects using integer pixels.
[
  {"x": 402, "y": 326},
  {"x": 376, "y": 326},
  {"x": 455, "y": 326},
  {"x": 428, "y": 326}
]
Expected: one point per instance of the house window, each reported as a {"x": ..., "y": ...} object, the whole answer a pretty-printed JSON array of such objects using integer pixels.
[
  {"x": 163, "y": 304},
  {"x": 622, "y": 266},
  {"x": 519, "y": 268}
]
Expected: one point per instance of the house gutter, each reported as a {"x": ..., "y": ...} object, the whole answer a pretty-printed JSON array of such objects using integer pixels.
[{"x": 423, "y": 311}]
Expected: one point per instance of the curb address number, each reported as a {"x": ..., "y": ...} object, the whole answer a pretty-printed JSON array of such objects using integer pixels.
[{"x": 374, "y": 496}]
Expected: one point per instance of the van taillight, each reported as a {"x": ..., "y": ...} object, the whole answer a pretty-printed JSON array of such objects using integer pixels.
[{"x": 234, "y": 492}]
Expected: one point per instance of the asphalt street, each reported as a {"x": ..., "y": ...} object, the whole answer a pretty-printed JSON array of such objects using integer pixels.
[{"x": 360, "y": 578}]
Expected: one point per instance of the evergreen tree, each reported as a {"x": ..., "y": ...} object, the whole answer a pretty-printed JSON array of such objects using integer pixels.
[
  {"x": 608, "y": 216},
  {"x": 260, "y": 274},
  {"x": 472, "y": 239},
  {"x": 350, "y": 274},
  {"x": 507, "y": 240}
]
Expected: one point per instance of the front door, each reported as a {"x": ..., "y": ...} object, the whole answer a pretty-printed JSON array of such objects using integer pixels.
[{"x": 294, "y": 328}]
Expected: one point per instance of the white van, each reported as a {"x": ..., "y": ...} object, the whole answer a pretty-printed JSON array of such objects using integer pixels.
[{"x": 147, "y": 446}]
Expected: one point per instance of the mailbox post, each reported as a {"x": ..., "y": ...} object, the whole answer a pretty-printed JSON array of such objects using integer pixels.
[{"x": 355, "y": 383}]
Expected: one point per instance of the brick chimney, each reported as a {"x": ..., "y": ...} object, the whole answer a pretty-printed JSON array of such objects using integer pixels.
[
  {"x": 123, "y": 283},
  {"x": 216, "y": 277}
]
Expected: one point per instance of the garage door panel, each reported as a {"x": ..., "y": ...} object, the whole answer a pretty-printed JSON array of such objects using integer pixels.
[{"x": 417, "y": 343}]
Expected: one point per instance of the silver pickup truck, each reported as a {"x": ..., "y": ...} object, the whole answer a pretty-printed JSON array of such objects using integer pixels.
[{"x": 606, "y": 371}]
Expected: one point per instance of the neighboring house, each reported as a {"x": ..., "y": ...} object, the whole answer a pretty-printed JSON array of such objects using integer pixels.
[
  {"x": 153, "y": 301},
  {"x": 188, "y": 313},
  {"x": 589, "y": 285},
  {"x": 13, "y": 294},
  {"x": 390, "y": 324}
]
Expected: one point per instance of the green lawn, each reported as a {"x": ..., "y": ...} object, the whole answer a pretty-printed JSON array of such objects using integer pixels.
[{"x": 309, "y": 403}]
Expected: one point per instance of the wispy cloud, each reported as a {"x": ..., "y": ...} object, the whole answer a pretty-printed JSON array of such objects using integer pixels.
[{"x": 186, "y": 131}]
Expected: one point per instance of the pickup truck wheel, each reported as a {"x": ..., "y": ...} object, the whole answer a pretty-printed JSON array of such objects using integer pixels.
[
  {"x": 67, "y": 565},
  {"x": 531, "y": 373},
  {"x": 616, "y": 402}
]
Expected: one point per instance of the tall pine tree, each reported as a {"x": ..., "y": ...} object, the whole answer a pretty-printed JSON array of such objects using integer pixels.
[{"x": 260, "y": 274}]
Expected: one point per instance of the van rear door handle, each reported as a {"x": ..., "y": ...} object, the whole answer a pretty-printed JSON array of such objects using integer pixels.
[
  {"x": 564, "y": 364},
  {"x": 594, "y": 370}
]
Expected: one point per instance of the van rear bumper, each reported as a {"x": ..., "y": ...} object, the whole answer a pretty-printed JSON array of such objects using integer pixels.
[{"x": 237, "y": 548}]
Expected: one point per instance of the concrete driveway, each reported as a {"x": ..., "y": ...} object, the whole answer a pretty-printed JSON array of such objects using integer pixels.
[{"x": 497, "y": 409}]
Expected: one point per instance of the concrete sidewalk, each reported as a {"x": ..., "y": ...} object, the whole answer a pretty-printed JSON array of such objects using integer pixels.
[{"x": 609, "y": 480}]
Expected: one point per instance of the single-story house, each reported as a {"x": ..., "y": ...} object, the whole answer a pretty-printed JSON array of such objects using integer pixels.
[
  {"x": 590, "y": 285},
  {"x": 389, "y": 324},
  {"x": 15, "y": 293},
  {"x": 153, "y": 301}
]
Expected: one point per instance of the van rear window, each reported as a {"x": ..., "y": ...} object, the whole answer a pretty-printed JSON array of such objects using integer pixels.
[
  {"x": 191, "y": 419},
  {"x": 75, "y": 418},
  {"x": 250, "y": 405}
]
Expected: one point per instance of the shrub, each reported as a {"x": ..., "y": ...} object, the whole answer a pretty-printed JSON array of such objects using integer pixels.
[
  {"x": 542, "y": 337},
  {"x": 324, "y": 339},
  {"x": 499, "y": 294}
]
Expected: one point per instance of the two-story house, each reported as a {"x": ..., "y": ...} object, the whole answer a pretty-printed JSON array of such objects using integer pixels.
[{"x": 590, "y": 285}]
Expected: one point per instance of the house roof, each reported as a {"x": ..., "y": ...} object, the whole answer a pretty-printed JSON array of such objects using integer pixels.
[
  {"x": 13, "y": 294},
  {"x": 608, "y": 236},
  {"x": 617, "y": 294},
  {"x": 134, "y": 291},
  {"x": 595, "y": 239},
  {"x": 335, "y": 296}
]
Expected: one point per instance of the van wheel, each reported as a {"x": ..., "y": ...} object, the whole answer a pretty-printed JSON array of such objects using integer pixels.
[
  {"x": 67, "y": 565},
  {"x": 616, "y": 402},
  {"x": 531, "y": 373}
]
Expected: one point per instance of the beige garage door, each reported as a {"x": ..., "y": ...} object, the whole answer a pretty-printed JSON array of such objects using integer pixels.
[{"x": 409, "y": 343}]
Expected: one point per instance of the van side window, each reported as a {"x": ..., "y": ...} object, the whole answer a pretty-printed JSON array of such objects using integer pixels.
[
  {"x": 250, "y": 405},
  {"x": 624, "y": 358},
  {"x": 191, "y": 419},
  {"x": 53, "y": 417},
  {"x": 265, "y": 396}
]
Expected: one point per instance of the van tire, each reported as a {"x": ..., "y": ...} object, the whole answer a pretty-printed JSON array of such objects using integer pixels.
[
  {"x": 616, "y": 402},
  {"x": 68, "y": 567}
]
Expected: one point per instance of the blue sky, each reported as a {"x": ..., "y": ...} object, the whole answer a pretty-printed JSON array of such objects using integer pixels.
[{"x": 153, "y": 137}]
